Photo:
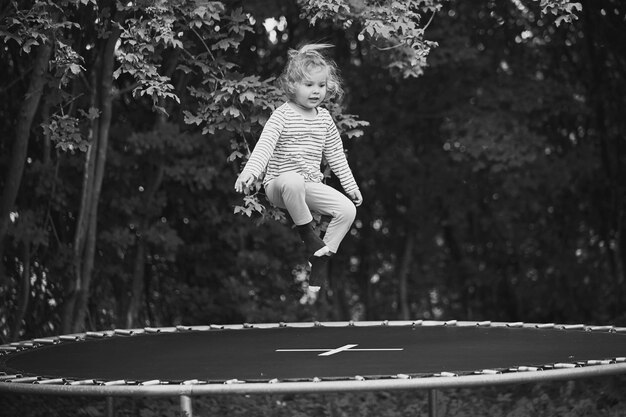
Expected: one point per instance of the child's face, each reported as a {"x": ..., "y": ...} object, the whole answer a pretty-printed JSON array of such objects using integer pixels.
[{"x": 310, "y": 92}]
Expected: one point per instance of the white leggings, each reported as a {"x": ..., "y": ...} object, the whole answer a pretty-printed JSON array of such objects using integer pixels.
[{"x": 291, "y": 192}]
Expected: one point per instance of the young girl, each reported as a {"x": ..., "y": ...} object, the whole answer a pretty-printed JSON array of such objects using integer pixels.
[{"x": 290, "y": 150}]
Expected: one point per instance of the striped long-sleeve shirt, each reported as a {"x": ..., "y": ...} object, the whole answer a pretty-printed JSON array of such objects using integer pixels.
[{"x": 289, "y": 142}]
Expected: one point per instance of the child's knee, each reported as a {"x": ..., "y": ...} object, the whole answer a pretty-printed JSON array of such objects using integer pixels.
[{"x": 349, "y": 211}]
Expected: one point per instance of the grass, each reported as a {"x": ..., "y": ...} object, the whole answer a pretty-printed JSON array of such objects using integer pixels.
[{"x": 583, "y": 397}]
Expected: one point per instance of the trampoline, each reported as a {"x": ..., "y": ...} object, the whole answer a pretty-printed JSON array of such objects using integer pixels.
[{"x": 308, "y": 357}]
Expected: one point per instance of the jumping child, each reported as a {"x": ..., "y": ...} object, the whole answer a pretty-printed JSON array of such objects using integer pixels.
[{"x": 290, "y": 149}]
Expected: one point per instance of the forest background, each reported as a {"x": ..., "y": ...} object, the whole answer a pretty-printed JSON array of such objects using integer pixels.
[{"x": 488, "y": 138}]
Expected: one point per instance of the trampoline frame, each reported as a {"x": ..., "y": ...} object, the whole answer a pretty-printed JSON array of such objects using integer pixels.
[{"x": 19, "y": 384}]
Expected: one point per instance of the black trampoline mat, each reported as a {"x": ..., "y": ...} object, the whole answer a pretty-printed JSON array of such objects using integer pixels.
[{"x": 288, "y": 353}]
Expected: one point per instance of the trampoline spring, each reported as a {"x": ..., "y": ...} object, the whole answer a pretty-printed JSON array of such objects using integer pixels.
[
  {"x": 84, "y": 382},
  {"x": 124, "y": 332},
  {"x": 184, "y": 328},
  {"x": 609, "y": 329},
  {"x": 528, "y": 368},
  {"x": 248, "y": 326},
  {"x": 545, "y": 326},
  {"x": 46, "y": 341},
  {"x": 417, "y": 323},
  {"x": 483, "y": 323},
  {"x": 152, "y": 330},
  {"x": 192, "y": 382},
  {"x": 573, "y": 326},
  {"x": 273, "y": 381},
  {"x": 561, "y": 365},
  {"x": 598, "y": 362},
  {"x": 52, "y": 381},
  {"x": 22, "y": 344},
  {"x": 8, "y": 349},
  {"x": 620, "y": 359},
  {"x": 450, "y": 323},
  {"x": 316, "y": 379},
  {"x": 489, "y": 372},
  {"x": 359, "y": 378},
  {"x": 282, "y": 324},
  {"x": 515, "y": 324},
  {"x": 446, "y": 374},
  {"x": 70, "y": 338},
  {"x": 234, "y": 381},
  {"x": 9, "y": 376},
  {"x": 96, "y": 334},
  {"x": 151, "y": 382},
  {"x": 26, "y": 379},
  {"x": 402, "y": 376},
  {"x": 116, "y": 382}
]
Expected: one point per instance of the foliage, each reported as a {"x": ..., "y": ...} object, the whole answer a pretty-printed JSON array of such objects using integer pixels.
[
  {"x": 64, "y": 132},
  {"x": 564, "y": 10},
  {"x": 491, "y": 165},
  {"x": 394, "y": 25}
]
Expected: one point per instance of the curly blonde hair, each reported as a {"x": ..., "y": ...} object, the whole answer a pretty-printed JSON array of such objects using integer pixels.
[{"x": 301, "y": 62}]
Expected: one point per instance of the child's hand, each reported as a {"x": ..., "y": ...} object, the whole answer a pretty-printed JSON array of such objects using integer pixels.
[
  {"x": 356, "y": 197},
  {"x": 245, "y": 180}
]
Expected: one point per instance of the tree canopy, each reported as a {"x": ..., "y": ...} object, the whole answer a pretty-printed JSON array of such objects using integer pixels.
[{"x": 487, "y": 138}]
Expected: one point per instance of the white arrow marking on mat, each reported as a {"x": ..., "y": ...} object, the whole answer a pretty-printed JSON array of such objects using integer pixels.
[{"x": 344, "y": 348}]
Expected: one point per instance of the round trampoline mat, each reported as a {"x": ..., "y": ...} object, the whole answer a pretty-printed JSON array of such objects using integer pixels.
[{"x": 320, "y": 352}]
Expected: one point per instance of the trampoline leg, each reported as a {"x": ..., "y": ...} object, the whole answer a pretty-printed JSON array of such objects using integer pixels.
[
  {"x": 186, "y": 409},
  {"x": 110, "y": 407},
  {"x": 432, "y": 403}
]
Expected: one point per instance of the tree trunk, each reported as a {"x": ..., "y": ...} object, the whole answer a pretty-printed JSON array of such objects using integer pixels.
[
  {"x": 73, "y": 284},
  {"x": 132, "y": 314},
  {"x": 24, "y": 291},
  {"x": 599, "y": 85},
  {"x": 341, "y": 308},
  {"x": 137, "y": 285},
  {"x": 20, "y": 147},
  {"x": 139, "y": 276},
  {"x": 86, "y": 231},
  {"x": 403, "y": 275},
  {"x": 366, "y": 269}
]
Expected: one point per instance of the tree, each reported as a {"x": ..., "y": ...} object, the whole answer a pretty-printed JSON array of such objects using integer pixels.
[
  {"x": 38, "y": 33},
  {"x": 479, "y": 133}
]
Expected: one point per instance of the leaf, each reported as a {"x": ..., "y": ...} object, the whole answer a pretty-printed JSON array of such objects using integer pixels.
[
  {"x": 160, "y": 109},
  {"x": 234, "y": 155},
  {"x": 247, "y": 96},
  {"x": 185, "y": 69},
  {"x": 75, "y": 69},
  {"x": 192, "y": 119},
  {"x": 28, "y": 44},
  {"x": 224, "y": 44},
  {"x": 233, "y": 111},
  {"x": 354, "y": 133},
  {"x": 92, "y": 114},
  {"x": 7, "y": 36}
]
